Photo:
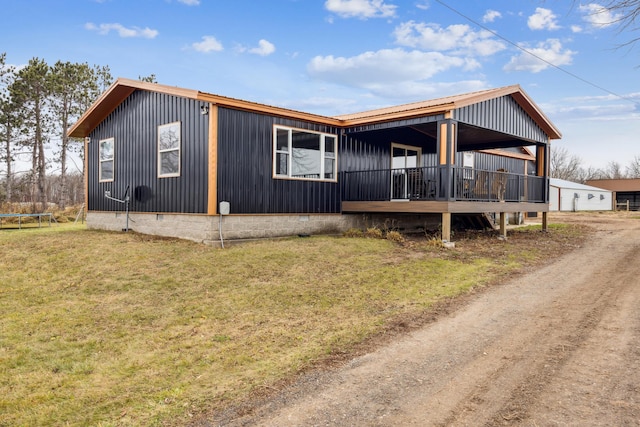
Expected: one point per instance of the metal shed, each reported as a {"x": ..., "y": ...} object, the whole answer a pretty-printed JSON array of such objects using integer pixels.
[
  {"x": 568, "y": 196},
  {"x": 626, "y": 191}
]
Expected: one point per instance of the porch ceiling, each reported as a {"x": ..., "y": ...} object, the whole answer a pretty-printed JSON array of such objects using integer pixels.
[{"x": 425, "y": 135}]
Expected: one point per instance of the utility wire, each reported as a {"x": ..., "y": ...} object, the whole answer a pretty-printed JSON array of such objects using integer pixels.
[{"x": 575, "y": 76}]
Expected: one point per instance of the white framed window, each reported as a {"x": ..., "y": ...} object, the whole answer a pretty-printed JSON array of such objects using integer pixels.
[
  {"x": 106, "y": 154},
  {"x": 302, "y": 154},
  {"x": 169, "y": 144}
]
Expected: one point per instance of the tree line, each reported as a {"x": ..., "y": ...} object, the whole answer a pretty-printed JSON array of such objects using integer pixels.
[
  {"x": 38, "y": 104},
  {"x": 567, "y": 166}
]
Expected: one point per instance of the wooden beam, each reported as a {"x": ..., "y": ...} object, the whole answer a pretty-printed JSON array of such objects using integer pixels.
[
  {"x": 446, "y": 226},
  {"x": 545, "y": 223},
  {"x": 424, "y": 132},
  {"x": 503, "y": 225},
  {"x": 86, "y": 174},
  {"x": 435, "y": 206},
  {"x": 541, "y": 160},
  {"x": 443, "y": 144},
  {"x": 212, "y": 193}
]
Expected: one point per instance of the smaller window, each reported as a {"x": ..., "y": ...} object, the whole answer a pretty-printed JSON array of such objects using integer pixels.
[
  {"x": 329, "y": 157},
  {"x": 106, "y": 159},
  {"x": 169, "y": 142}
]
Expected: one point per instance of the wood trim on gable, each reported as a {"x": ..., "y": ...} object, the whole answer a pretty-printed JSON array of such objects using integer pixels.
[{"x": 122, "y": 88}]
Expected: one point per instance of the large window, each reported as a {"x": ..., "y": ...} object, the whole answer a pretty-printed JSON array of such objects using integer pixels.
[
  {"x": 304, "y": 155},
  {"x": 106, "y": 159},
  {"x": 169, "y": 150}
]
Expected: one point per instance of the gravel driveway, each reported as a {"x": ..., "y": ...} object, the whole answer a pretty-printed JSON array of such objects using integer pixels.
[{"x": 554, "y": 347}]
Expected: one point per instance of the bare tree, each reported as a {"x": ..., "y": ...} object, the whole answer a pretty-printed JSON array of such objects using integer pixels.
[
  {"x": 626, "y": 13},
  {"x": 613, "y": 170},
  {"x": 564, "y": 165},
  {"x": 623, "y": 13},
  {"x": 633, "y": 170},
  {"x": 592, "y": 173}
]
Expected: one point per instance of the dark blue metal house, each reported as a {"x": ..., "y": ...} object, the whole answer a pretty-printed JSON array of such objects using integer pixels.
[{"x": 176, "y": 159}]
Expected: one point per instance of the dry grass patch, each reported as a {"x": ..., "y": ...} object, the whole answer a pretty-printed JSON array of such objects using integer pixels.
[{"x": 122, "y": 329}]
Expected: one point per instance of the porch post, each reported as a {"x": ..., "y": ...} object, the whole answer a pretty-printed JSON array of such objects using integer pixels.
[
  {"x": 503, "y": 225},
  {"x": 446, "y": 226},
  {"x": 542, "y": 160},
  {"x": 542, "y": 164},
  {"x": 447, "y": 147}
]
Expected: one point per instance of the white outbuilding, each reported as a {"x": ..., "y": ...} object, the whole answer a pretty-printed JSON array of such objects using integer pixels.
[{"x": 567, "y": 196}]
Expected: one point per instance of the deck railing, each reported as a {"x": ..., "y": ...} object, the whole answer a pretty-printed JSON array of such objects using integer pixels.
[{"x": 442, "y": 183}]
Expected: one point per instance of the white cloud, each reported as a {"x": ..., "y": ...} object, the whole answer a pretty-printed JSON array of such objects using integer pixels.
[
  {"x": 122, "y": 31},
  {"x": 383, "y": 68},
  {"x": 413, "y": 90},
  {"x": 423, "y": 6},
  {"x": 457, "y": 38},
  {"x": 491, "y": 15},
  {"x": 208, "y": 44},
  {"x": 550, "y": 51},
  {"x": 598, "y": 16},
  {"x": 576, "y": 29},
  {"x": 362, "y": 9},
  {"x": 543, "y": 19},
  {"x": 264, "y": 48},
  {"x": 190, "y": 2}
]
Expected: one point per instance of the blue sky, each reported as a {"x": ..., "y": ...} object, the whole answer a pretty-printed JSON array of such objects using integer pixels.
[{"x": 342, "y": 56}]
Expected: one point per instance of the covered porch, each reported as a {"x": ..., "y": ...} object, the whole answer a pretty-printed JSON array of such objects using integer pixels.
[
  {"x": 428, "y": 190},
  {"x": 485, "y": 152}
]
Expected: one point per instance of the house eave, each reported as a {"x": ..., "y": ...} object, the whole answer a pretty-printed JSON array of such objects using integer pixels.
[
  {"x": 113, "y": 96},
  {"x": 122, "y": 88}
]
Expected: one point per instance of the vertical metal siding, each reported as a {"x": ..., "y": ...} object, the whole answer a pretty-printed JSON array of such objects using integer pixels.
[
  {"x": 492, "y": 162},
  {"x": 504, "y": 115},
  {"x": 134, "y": 125},
  {"x": 245, "y": 168},
  {"x": 358, "y": 155}
]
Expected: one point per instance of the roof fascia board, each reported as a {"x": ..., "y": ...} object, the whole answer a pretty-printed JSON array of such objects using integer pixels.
[
  {"x": 113, "y": 96},
  {"x": 532, "y": 109},
  {"x": 522, "y": 99},
  {"x": 475, "y": 98},
  {"x": 239, "y": 104},
  {"x": 122, "y": 88},
  {"x": 398, "y": 115}
]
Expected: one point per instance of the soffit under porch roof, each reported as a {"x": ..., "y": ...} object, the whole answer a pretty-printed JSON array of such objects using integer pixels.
[
  {"x": 425, "y": 135},
  {"x": 445, "y": 108}
]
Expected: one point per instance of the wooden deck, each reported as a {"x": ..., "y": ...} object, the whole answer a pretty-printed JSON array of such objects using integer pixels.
[{"x": 435, "y": 206}]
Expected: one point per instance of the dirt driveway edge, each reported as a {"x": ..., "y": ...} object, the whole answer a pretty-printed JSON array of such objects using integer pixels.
[{"x": 557, "y": 346}]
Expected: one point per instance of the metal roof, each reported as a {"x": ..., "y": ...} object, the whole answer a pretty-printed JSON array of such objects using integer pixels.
[
  {"x": 561, "y": 183},
  {"x": 122, "y": 88}
]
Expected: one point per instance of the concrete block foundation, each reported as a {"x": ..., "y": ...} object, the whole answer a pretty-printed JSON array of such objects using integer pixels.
[{"x": 206, "y": 229}]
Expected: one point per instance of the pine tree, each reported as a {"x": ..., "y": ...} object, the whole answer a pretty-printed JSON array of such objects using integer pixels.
[
  {"x": 30, "y": 90},
  {"x": 73, "y": 86}
]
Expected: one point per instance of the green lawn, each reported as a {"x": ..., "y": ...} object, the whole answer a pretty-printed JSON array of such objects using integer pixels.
[{"x": 101, "y": 328}]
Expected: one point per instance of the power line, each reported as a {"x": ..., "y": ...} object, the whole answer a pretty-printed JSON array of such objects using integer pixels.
[{"x": 575, "y": 76}]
